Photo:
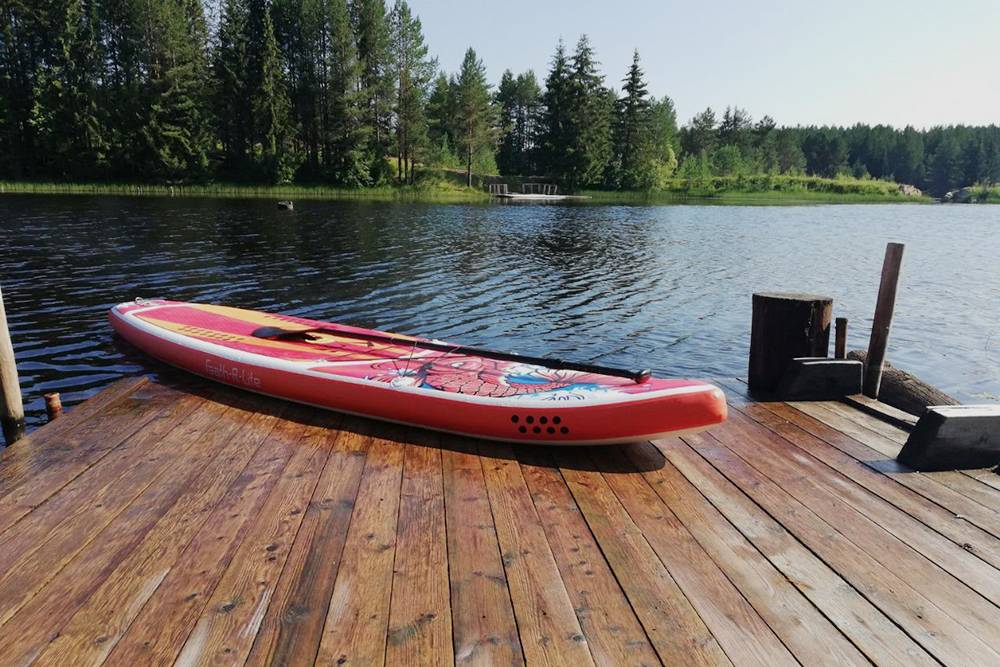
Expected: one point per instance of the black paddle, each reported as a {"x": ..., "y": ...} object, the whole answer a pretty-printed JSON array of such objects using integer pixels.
[{"x": 639, "y": 377}]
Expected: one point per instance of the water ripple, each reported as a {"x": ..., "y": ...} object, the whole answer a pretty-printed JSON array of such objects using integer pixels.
[{"x": 661, "y": 287}]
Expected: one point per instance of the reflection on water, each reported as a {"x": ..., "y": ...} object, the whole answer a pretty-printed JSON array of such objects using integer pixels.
[{"x": 661, "y": 287}]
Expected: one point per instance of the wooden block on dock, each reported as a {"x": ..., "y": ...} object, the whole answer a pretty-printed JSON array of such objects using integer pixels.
[
  {"x": 954, "y": 437},
  {"x": 820, "y": 379}
]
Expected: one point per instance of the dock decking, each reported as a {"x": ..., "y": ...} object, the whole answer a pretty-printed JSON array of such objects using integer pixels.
[{"x": 163, "y": 523}]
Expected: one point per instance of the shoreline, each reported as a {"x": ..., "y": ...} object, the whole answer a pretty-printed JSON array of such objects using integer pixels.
[{"x": 809, "y": 191}]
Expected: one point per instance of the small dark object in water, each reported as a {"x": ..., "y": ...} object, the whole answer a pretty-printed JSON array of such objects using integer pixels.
[{"x": 286, "y": 205}]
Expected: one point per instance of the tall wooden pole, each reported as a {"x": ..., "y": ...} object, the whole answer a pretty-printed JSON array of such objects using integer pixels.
[
  {"x": 883, "y": 318},
  {"x": 11, "y": 407}
]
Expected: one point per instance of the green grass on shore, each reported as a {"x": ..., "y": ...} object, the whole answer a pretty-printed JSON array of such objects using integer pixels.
[
  {"x": 985, "y": 194},
  {"x": 445, "y": 187},
  {"x": 436, "y": 190},
  {"x": 767, "y": 189}
]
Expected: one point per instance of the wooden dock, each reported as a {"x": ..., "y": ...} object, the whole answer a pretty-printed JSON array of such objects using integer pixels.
[{"x": 171, "y": 523}]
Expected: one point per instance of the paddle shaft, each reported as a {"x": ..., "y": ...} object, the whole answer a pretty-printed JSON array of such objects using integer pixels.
[{"x": 638, "y": 377}]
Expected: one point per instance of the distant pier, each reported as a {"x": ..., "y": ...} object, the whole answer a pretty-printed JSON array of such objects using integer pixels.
[{"x": 536, "y": 192}]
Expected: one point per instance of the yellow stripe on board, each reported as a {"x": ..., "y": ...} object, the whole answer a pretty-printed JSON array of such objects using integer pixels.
[{"x": 376, "y": 352}]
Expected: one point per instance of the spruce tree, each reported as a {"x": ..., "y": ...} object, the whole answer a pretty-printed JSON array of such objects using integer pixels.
[
  {"x": 591, "y": 107},
  {"x": 946, "y": 169},
  {"x": 635, "y": 160},
  {"x": 665, "y": 133},
  {"x": 271, "y": 111},
  {"x": 441, "y": 121},
  {"x": 231, "y": 86},
  {"x": 475, "y": 113},
  {"x": 345, "y": 137},
  {"x": 554, "y": 135},
  {"x": 66, "y": 113},
  {"x": 175, "y": 130}
]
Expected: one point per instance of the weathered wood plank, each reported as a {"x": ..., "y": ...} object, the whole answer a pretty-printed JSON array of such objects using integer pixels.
[
  {"x": 966, "y": 535},
  {"x": 93, "y": 631},
  {"x": 485, "y": 632},
  {"x": 889, "y": 439},
  {"x": 807, "y": 633},
  {"x": 25, "y": 634},
  {"x": 159, "y": 631},
  {"x": 546, "y": 622},
  {"x": 923, "y": 620},
  {"x": 741, "y": 632},
  {"x": 613, "y": 632},
  {"x": 358, "y": 615},
  {"x": 229, "y": 622},
  {"x": 986, "y": 499},
  {"x": 29, "y": 481},
  {"x": 420, "y": 612},
  {"x": 675, "y": 629},
  {"x": 293, "y": 625},
  {"x": 31, "y": 565},
  {"x": 44, "y": 438},
  {"x": 85, "y": 506},
  {"x": 961, "y": 507},
  {"x": 860, "y": 620},
  {"x": 893, "y": 537}
]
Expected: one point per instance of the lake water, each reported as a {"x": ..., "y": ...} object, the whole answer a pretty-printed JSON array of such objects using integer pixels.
[{"x": 665, "y": 287}]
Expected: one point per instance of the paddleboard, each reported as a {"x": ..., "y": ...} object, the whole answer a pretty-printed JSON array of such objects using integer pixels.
[{"x": 416, "y": 381}]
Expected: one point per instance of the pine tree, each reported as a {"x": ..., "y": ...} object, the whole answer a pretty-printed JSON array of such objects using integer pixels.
[
  {"x": 508, "y": 151},
  {"x": 301, "y": 29},
  {"x": 529, "y": 103},
  {"x": 475, "y": 113},
  {"x": 700, "y": 134},
  {"x": 371, "y": 32},
  {"x": 518, "y": 102},
  {"x": 735, "y": 129},
  {"x": 413, "y": 71}
]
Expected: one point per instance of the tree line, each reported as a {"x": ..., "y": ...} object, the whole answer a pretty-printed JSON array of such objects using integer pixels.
[{"x": 345, "y": 92}]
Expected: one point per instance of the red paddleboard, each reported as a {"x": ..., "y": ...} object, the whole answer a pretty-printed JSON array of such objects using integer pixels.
[{"x": 416, "y": 381}]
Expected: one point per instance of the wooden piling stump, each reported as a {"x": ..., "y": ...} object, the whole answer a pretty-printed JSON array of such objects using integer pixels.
[
  {"x": 786, "y": 326},
  {"x": 53, "y": 405}
]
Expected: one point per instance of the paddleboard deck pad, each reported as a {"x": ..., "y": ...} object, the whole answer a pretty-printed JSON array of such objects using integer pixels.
[{"x": 395, "y": 378}]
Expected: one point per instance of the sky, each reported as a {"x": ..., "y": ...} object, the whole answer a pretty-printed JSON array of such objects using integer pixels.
[{"x": 901, "y": 63}]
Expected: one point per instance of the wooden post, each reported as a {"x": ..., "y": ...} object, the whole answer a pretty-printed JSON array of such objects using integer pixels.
[
  {"x": 786, "y": 326},
  {"x": 883, "y": 318},
  {"x": 11, "y": 407},
  {"x": 53, "y": 405},
  {"x": 840, "y": 346}
]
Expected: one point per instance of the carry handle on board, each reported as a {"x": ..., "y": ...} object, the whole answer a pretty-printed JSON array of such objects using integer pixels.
[{"x": 639, "y": 377}]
